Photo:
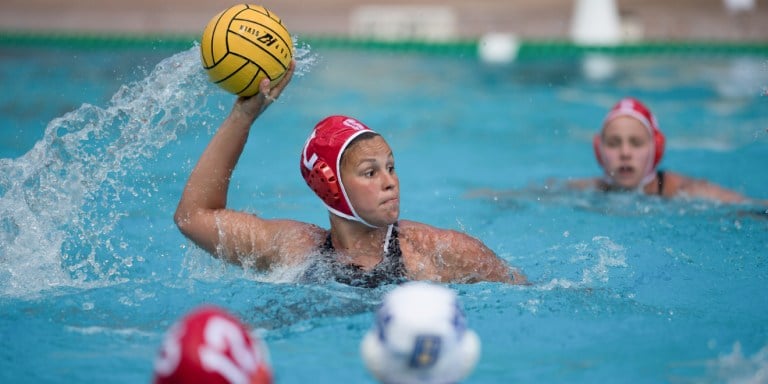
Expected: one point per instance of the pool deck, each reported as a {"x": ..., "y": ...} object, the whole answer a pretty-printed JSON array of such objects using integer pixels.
[{"x": 677, "y": 20}]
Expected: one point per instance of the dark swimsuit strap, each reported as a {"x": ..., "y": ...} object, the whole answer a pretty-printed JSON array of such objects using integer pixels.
[
  {"x": 660, "y": 177},
  {"x": 393, "y": 244}
]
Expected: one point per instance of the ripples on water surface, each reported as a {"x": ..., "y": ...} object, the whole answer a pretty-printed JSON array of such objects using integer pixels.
[{"x": 97, "y": 146}]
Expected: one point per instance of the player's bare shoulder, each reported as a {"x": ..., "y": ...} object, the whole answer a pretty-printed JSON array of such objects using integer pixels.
[
  {"x": 427, "y": 237},
  {"x": 418, "y": 235},
  {"x": 429, "y": 243},
  {"x": 417, "y": 244},
  {"x": 290, "y": 242}
]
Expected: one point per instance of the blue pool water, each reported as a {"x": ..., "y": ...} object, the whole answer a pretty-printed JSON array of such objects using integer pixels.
[{"x": 96, "y": 147}]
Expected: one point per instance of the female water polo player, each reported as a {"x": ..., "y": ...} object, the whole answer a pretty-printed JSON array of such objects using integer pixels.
[
  {"x": 629, "y": 148},
  {"x": 352, "y": 169}
]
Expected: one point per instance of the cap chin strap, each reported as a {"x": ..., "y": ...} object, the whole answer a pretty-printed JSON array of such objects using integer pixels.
[
  {"x": 650, "y": 168},
  {"x": 349, "y": 217},
  {"x": 647, "y": 179}
]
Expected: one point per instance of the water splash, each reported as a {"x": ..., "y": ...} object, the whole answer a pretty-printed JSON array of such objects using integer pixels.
[
  {"x": 61, "y": 202},
  {"x": 609, "y": 256},
  {"x": 737, "y": 368},
  {"x": 733, "y": 368},
  {"x": 305, "y": 58}
]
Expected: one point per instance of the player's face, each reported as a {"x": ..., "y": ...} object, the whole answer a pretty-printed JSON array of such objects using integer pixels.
[
  {"x": 370, "y": 181},
  {"x": 627, "y": 151}
]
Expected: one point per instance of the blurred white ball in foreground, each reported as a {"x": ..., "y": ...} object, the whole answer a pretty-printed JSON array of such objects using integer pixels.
[{"x": 420, "y": 336}]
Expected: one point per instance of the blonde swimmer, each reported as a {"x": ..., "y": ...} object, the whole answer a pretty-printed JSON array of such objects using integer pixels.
[{"x": 629, "y": 148}]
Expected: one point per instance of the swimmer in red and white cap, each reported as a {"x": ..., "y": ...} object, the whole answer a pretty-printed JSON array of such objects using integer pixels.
[
  {"x": 210, "y": 346},
  {"x": 629, "y": 148},
  {"x": 352, "y": 169}
]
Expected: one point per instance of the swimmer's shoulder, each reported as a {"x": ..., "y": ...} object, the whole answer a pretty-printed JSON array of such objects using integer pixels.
[
  {"x": 418, "y": 233},
  {"x": 300, "y": 231},
  {"x": 426, "y": 239},
  {"x": 675, "y": 183},
  {"x": 417, "y": 244},
  {"x": 298, "y": 241},
  {"x": 680, "y": 185},
  {"x": 585, "y": 184},
  {"x": 413, "y": 235},
  {"x": 448, "y": 255}
]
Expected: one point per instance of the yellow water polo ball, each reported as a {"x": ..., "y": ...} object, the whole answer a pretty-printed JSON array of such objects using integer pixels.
[{"x": 244, "y": 44}]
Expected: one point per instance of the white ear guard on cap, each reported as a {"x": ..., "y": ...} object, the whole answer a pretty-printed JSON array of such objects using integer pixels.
[{"x": 420, "y": 336}]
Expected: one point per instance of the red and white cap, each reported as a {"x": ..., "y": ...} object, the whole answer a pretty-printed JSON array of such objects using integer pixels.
[
  {"x": 321, "y": 162},
  {"x": 632, "y": 107},
  {"x": 211, "y": 346}
]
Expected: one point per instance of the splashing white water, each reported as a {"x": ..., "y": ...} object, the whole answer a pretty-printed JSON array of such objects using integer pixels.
[
  {"x": 304, "y": 56},
  {"x": 609, "y": 255},
  {"x": 736, "y": 368},
  {"x": 60, "y": 202}
]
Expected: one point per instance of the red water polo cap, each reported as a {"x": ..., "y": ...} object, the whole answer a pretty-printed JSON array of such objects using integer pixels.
[
  {"x": 211, "y": 346},
  {"x": 321, "y": 162}
]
